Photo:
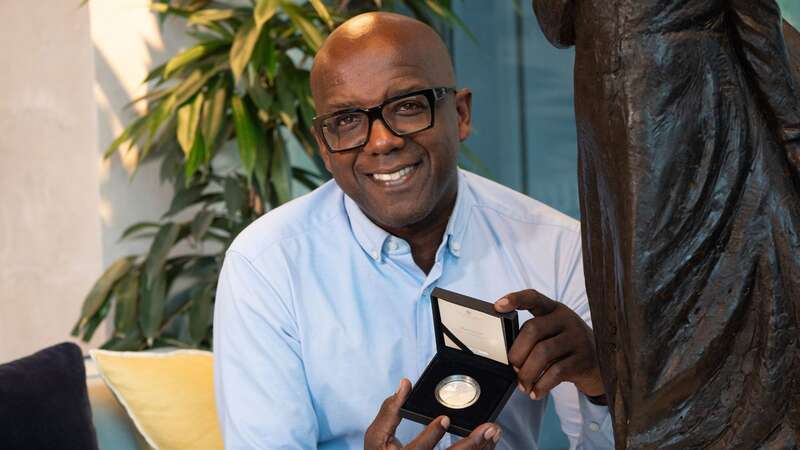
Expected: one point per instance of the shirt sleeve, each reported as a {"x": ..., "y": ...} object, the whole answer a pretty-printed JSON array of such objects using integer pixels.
[
  {"x": 261, "y": 391},
  {"x": 587, "y": 426}
]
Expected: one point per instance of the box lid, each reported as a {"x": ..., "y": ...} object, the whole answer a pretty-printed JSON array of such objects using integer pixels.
[{"x": 468, "y": 325}]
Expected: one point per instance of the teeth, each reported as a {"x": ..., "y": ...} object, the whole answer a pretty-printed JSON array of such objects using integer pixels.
[{"x": 394, "y": 176}]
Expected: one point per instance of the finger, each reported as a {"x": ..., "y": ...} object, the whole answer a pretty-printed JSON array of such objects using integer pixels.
[
  {"x": 431, "y": 435},
  {"x": 554, "y": 375},
  {"x": 485, "y": 437},
  {"x": 543, "y": 355},
  {"x": 382, "y": 429},
  {"x": 532, "y": 332},
  {"x": 529, "y": 299}
]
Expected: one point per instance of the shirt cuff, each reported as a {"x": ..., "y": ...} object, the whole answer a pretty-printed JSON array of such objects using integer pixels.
[{"x": 597, "y": 431}]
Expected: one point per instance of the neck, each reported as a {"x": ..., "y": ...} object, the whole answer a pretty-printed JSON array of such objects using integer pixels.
[{"x": 426, "y": 236}]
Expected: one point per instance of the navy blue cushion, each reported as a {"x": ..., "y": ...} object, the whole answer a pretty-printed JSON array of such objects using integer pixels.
[{"x": 44, "y": 402}]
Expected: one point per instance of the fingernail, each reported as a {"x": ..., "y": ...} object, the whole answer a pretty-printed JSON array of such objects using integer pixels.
[
  {"x": 521, "y": 387},
  {"x": 533, "y": 395},
  {"x": 497, "y": 436},
  {"x": 515, "y": 369},
  {"x": 489, "y": 433},
  {"x": 445, "y": 423},
  {"x": 399, "y": 386},
  {"x": 502, "y": 302}
]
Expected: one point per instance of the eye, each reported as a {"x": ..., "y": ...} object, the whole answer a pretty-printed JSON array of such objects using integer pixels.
[
  {"x": 410, "y": 107},
  {"x": 346, "y": 121}
]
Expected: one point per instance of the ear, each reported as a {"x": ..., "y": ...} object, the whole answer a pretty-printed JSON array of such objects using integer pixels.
[
  {"x": 323, "y": 149},
  {"x": 463, "y": 100},
  {"x": 557, "y": 20}
]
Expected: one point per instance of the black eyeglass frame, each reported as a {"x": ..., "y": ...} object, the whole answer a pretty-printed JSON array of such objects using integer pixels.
[{"x": 376, "y": 112}]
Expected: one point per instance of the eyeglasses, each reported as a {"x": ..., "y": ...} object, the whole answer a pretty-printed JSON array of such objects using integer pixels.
[{"x": 403, "y": 115}]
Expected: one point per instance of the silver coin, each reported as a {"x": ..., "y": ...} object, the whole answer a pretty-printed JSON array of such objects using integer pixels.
[{"x": 458, "y": 391}]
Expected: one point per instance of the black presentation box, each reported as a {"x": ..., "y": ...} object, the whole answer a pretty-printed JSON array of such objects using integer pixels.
[{"x": 473, "y": 340}]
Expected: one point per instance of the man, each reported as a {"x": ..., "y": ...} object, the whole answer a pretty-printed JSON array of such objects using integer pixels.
[{"x": 324, "y": 304}]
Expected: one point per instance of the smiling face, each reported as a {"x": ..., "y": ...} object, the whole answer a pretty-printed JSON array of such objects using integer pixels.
[{"x": 399, "y": 182}]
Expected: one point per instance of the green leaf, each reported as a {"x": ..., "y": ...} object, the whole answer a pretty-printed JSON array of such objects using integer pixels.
[
  {"x": 133, "y": 341},
  {"x": 151, "y": 312},
  {"x": 200, "y": 314},
  {"x": 234, "y": 197},
  {"x": 130, "y": 132},
  {"x": 322, "y": 11},
  {"x": 159, "y": 250},
  {"x": 188, "y": 119},
  {"x": 308, "y": 179},
  {"x": 185, "y": 198},
  {"x": 195, "y": 158},
  {"x": 189, "y": 55},
  {"x": 95, "y": 321},
  {"x": 137, "y": 227},
  {"x": 286, "y": 101},
  {"x": 150, "y": 96},
  {"x": 261, "y": 171},
  {"x": 246, "y": 136},
  {"x": 310, "y": 32},
  {"x": 195, "y": 81},
  {"x": 126, "y": 294},
  {"x": 260, "y": 96},
  {"x": 169, "y": 165},
  {"x": 201, "y": 223},
  {"x": 242, "y": 48},
  {"x": 206, "y": 16},
  {"x": 212, "y": 117},
  {"x": 99, "y": 294},
  {"x": 281, "y": 171},
  {"x": 263, "y": 11}
]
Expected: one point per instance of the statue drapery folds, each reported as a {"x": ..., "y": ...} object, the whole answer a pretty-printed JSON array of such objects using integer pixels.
[{"x": 688, "y": 118}]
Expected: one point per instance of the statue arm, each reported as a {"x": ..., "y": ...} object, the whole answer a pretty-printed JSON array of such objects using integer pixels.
[
  {"x": 557, "y": 20},
  {"x": 759, "y": 30}
]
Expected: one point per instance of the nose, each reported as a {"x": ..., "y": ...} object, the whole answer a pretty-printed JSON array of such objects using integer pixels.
[{"x": 381, "y": 139}]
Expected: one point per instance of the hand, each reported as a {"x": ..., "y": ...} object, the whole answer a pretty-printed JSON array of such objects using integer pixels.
[
  {"x": 555, "y": 346},
  {"x": 380, "y": 434}
]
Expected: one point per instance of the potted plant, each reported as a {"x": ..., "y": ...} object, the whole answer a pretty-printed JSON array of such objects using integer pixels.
[{"x": 240, "y": 92}]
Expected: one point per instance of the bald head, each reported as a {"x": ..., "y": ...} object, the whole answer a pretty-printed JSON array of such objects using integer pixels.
[{"x": 371, "y": 41}]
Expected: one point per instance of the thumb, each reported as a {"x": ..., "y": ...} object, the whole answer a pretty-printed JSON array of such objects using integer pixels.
[
  {"x": 485, "y": 437},
  {"x": 535, "y": 302},
  {"x": 431, "y": 435},
  {"x": 381, "y": 431}
]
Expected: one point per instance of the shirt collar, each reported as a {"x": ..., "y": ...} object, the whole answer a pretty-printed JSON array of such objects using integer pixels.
[{"x": 372, "y": 238}]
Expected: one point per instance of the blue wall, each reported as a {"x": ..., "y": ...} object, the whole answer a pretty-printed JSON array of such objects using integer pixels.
[{"x": 524, "y": 127}]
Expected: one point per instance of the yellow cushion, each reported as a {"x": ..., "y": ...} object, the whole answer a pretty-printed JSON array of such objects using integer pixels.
[{"x": 169, "y": 396}]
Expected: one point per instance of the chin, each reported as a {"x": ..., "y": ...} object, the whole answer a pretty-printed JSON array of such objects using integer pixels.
[{"x": 404, "y": 219}]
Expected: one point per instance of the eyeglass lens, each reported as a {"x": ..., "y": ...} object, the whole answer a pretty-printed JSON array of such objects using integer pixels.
[{"x": 403, "y": 116}]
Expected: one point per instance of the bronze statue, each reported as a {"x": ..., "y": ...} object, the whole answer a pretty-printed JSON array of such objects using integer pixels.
[{"x": 688, "y": 118}]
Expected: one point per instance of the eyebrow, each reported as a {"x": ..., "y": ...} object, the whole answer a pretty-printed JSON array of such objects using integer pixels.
[{"x": 392, "y": 92}]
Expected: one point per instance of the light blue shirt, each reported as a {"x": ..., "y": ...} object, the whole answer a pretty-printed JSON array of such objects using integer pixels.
[{"x": 320, "y": 313}]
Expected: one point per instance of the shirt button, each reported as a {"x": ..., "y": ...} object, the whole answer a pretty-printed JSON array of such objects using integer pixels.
[
  {"x": 594, "y": 426},
  {"x": 393, "y": 245},
  {"x": 375, "y": 255},
  {"x": 456, "y": 246}
]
